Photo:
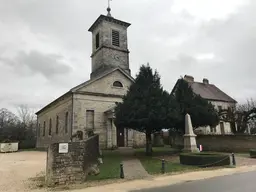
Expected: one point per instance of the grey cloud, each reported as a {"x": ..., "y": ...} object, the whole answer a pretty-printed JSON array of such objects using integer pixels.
[
  {"x": 49, "y": 65},
  {"x": 169, "y": 41}
]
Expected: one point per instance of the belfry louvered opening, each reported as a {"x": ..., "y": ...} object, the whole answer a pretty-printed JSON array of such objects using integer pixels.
[{"x": 115, "y": 38}]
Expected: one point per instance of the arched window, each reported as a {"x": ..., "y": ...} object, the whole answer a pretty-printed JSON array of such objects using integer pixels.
[{"x": 117, "y": 84}]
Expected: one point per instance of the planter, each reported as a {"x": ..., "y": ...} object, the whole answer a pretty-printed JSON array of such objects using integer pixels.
[
  {"x": 9, "y": 147},
  {"x": 253, "y": 153},
  {"x": 204, "y": 159}
]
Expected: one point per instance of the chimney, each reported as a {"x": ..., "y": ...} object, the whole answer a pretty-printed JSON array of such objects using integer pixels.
[
  {"x": 205, "y": 81},
  {"x": 188, "y": 78}
]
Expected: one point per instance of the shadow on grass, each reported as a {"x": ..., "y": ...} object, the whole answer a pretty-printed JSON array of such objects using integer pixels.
[{"x": 157, "y": 151}]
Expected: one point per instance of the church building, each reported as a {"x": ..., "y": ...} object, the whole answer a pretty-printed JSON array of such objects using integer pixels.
[{"x": 89, "y": 107}]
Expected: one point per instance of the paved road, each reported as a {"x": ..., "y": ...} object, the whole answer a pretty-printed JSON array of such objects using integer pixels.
[{"x": 244, "y": 182}]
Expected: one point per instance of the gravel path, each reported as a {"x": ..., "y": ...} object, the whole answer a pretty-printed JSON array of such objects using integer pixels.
[
  {"x": 245, "y": 161},
  {"x": 133, "y": 168},
  {"x": 17, "y": 168}
]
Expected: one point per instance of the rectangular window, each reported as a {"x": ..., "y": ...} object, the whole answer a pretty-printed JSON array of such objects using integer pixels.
[
  {"x": 219, "y": 108},
  {"x": 50, "y": 127},
  {"x": 57, "y": 124},
  {"x": 115, "y": 38},
  {"x": 213, "y": 129},
  {"x": 39, "y": 130},
  {"x": 66, "y": 122},
  {"x": 44, "y": 129},
  {"x": 89, "y": 119},
  {"x": 97, "y": 39}
]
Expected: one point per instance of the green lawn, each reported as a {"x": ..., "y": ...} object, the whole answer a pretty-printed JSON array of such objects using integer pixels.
[
  {"x": 110, "y": 169},
  {"x": 153, "y": 166}
]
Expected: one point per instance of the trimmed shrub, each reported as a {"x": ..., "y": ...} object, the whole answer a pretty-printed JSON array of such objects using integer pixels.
[
  {"x": 253, "y": 153},
  {"x": 205, "y": 159}
]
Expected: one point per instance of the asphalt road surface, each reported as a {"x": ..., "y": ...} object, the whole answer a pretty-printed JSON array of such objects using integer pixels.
[{"x": 244, "y": 182}]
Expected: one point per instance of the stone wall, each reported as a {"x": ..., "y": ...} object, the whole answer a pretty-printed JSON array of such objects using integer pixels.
[
  {"x": 71, "y": 167},
  {"x": 229, "y": 143},
  {"x": 58, "y": 109}
]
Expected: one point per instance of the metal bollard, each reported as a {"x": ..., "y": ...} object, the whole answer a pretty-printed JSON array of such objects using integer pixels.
[
  {"x": 121, "y": 171},
  {"x": 233, "y": 159},
  {"x": 163, "y": 166}
]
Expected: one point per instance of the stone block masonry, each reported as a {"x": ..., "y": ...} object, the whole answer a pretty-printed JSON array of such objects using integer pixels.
[
  {"x": 71, "y": 167},
  {"x": 227, "y": 143}
]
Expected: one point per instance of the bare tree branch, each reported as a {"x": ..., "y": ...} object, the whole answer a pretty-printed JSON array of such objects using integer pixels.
[{"x": 26, "y": 115}]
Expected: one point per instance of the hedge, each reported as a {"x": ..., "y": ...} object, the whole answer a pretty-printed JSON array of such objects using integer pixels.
[
  {"x": 253, "y": 153},
  {"x": 204, "y": 159}
]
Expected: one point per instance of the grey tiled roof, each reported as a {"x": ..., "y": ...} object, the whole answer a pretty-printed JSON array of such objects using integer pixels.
[{"x": 210, "y": 91}]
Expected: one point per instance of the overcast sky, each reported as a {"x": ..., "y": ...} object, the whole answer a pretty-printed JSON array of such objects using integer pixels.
[{"x": 45, "y": 45}]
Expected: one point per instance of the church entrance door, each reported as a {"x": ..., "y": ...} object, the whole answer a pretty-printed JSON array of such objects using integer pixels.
[{"x": 120, "y": 136}]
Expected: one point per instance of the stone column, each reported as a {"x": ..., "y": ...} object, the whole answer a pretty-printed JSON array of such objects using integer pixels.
[
  {"x": 114, "y": 142},
  {"x": 189, "y": 137},
  {"x": 109, "y": 134}
]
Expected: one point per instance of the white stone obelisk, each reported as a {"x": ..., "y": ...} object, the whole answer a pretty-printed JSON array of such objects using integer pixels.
[{"x": 189, "y": 137}]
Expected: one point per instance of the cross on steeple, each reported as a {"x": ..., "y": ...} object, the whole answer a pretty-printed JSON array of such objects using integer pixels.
[{"x": 109, "y": 9}]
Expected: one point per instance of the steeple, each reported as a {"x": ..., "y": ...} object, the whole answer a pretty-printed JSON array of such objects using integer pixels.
[
  {"x": 109, "y": 9},
  {"x": 109, "y": 44}
]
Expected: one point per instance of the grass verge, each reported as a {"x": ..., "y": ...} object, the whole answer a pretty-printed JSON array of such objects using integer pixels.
[
  {"x": 110, "y": 169},
  {"x": 153, "y": 166}
]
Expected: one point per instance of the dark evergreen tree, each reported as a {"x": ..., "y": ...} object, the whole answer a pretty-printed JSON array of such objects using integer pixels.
[
  {"x": 201, "y": 111},
  {"x": 145, "y": 106}
]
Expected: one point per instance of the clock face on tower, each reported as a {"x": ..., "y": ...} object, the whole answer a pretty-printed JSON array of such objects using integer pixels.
[{"x": 117, "y": 57}]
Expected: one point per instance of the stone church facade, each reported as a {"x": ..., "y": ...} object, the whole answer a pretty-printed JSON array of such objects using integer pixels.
[{"x": 90, "y": 105}]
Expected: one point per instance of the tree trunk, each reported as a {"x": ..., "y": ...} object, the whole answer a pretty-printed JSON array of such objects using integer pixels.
[{"x": 148, "y": 144}]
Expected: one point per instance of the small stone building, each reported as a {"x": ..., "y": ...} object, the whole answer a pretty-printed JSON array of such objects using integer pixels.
[{"x": 90, "y": 105}]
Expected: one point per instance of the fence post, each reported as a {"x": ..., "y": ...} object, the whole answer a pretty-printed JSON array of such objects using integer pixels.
[
  {"x": 163, "y": 166},
  {"x": 121, "y": 171},
  {"x": 233, "y": 159}
]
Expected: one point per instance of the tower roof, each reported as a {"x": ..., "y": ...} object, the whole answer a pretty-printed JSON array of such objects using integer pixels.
[{"x": 109, "y": 19}]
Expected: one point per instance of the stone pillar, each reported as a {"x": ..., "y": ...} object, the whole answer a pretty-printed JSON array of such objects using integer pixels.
[
  {"x": 189, "y": 137},
  {"x": 109, "y": 134},
  {"x": 114, "y": 142}
]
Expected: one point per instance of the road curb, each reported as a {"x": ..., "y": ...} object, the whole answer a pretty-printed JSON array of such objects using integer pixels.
[{"x": 161, "y": 181}]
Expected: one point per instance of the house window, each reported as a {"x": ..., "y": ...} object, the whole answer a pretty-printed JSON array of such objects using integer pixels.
[
  {"x": 44, "y": 129},
  {"x": 115, "y": 38},
  {"x": 66, "y": 122},
  {"x": 50, "y": 127},
  {"x": 57, "y": 124},
  {"x": 117, "y": 84},
  {"x": 219, "y": 108},
  {"x": 97, "y": 40}
]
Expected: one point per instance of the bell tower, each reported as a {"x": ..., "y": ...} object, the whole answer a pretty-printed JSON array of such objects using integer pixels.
[{"x": 109, "y": 45}]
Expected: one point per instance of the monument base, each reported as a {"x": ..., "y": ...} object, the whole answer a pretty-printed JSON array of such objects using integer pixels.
[{"x": 190, "y": 143}]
